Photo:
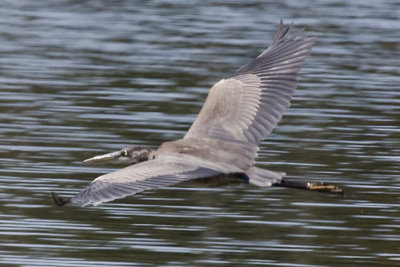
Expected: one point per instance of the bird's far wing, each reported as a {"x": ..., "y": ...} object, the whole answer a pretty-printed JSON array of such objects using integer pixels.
[
  {"x": 160, "y": 172},
  {"x": 249, "y": 104}
]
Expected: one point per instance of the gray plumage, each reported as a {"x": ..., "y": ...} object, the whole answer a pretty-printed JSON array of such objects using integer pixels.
[{"x": 239, "y": 112}]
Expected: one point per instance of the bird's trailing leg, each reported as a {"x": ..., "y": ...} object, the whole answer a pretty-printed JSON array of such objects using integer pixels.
[
  {"x": 59, "y": 200},
  {"x": 315, "y": 186}
]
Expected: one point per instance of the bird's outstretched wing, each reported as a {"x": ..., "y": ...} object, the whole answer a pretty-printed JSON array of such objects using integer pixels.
[
  {"x": 160, "y": 172},
  {"x": 249, "y": 104}
]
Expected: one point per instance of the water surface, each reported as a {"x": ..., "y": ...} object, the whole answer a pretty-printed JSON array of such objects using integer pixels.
[{"x": 81, "y": 78}]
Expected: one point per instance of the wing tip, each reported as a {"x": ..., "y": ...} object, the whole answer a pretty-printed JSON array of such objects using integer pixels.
[
  {"x": 285, "y": 36},
  {"x": 282, "y": 32},
  {"x": 288, "y": 31}
]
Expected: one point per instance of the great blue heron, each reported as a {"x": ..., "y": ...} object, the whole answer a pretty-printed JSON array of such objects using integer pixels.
[{"x": 239, "y": 112}]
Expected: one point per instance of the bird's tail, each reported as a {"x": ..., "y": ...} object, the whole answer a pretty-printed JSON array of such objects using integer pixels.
[{"x": 263, "y": 177}]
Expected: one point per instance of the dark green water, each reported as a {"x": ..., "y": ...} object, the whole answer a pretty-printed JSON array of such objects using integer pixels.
[{"x": 77, "y": 79}]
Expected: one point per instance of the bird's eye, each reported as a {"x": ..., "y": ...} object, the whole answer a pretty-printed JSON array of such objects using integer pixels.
[{"x": 124, "y": 153}]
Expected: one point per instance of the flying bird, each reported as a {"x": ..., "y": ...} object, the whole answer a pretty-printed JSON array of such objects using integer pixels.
[{"x": 240, "y": 111}]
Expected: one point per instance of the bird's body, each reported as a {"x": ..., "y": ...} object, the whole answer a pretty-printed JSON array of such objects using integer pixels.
[
  {"x": 227, "y": 157},
  {"x": 239, "y": 112}
]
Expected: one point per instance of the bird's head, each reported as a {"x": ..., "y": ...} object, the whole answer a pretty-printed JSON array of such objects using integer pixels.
[{"x": 128, "y": 155}]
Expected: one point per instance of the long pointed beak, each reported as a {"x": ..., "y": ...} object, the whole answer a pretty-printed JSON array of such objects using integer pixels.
[{"x": 106, "y": 157}]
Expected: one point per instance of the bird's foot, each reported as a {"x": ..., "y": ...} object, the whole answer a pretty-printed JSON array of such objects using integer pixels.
[
  {"x": 315, "y": 186},
  {"x": 325, "y": 187}
]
